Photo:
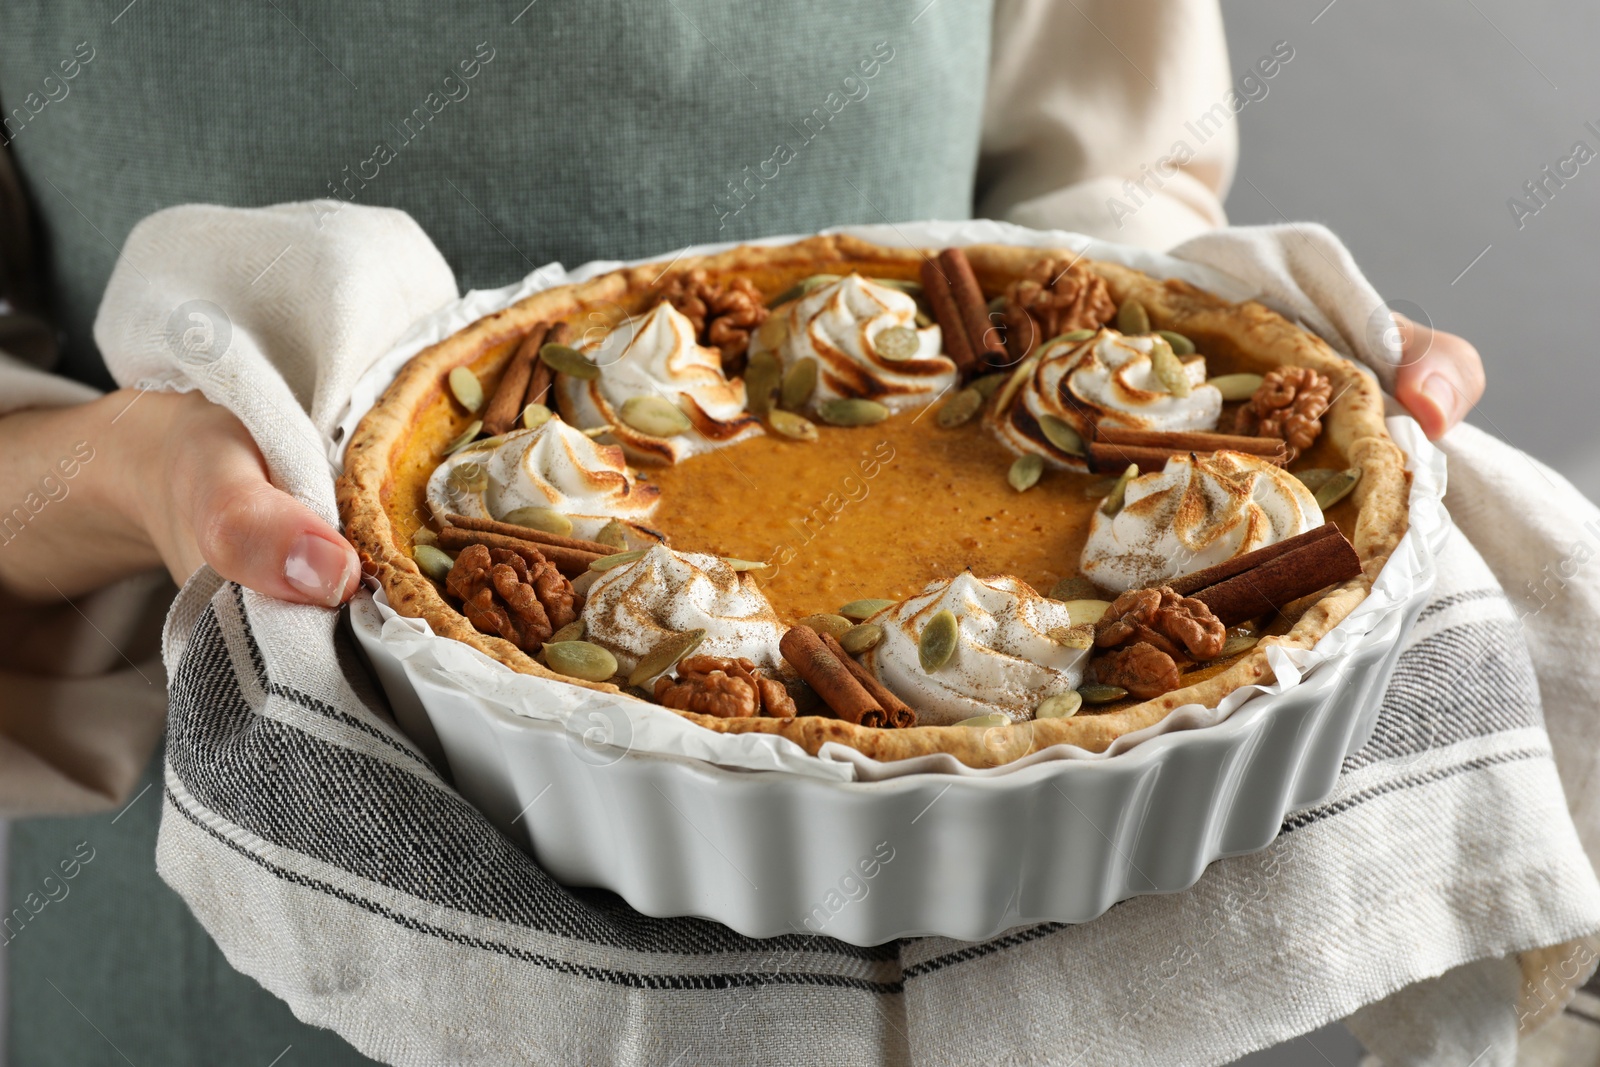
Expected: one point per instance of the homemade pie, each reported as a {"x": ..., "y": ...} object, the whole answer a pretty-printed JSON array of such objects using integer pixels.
[{"x": 977, "y": 501}]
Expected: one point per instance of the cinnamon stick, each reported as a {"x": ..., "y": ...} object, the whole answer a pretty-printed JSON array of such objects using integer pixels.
[
  {"x": 1285, "y": 578},
  {"x": 936, "y": 288},
  {"x": 900, "y": 714},
  {"x": 1186, "y": 585},
  {"x": 1107, "y": 457},
  {"x": 1022, "y": 332},
  {"x": 528, "y": 533},
  {"x": 986, "y": 346},
  {"x": 506, "y": 404},
  {"x": 831, "y": 679},
  {"x": 543, "y": 377},
  {"x": 1180, "y": 441},
  {"x": 569, "y": 561}
]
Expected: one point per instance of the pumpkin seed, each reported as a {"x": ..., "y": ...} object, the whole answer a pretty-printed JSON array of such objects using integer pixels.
[
  {"x": 762, "y": 373},
  {"x": 997, "y": 305},
  {"x": 1018, "y": 376},
  {"x": 1024, "y": 473},
  {"x": 473, "y": 429},
  {"x": 741, "y": 565},
  {"x": 572, "y": 631},
  {"x": 547, "y": 520},
  {"x": 897, "y": 343},
  {"x": 989, "y": 384},
  {"x": 564, "y": 359},
  {"x": 923, "y": 322},
  {"x": 851, "y": 411},
  {"x": 816, "y": 281},
  {"x": 986, "y": 722},
  {"x": 788, "y": 424},
  {"x": 468, "y": 477},
  {"x": 1062, "y": 436},
  {"x": 1236, "y": 386},
  {"x": 905, "y": 285},
  {"x": 1086, "y": 612},
  {"x": 1238, "y": 643},
  {"x": 466, "y": 388},
  {"x": 1119, "y": 492},
  {"x": 424, "y": 536},
  {"x": 1181, "y": 345},
  {"x": 1095, "y": 693},
  {"x": 580, "y": 659},
  {"x": 799, "y": 382},
  {"x": 959, "y": 409},
  {"x": 1169, "y": 369},
  {"x": 655, "y": 416},
  {"x": 864, "y": 609},
  {"x": 859, "y": 638},
  {"x": 1132, "y": 318},
  {"x": 486, "y": 444},
  {"x": 1061, "y": 706},
  {"x": 665, "y": 655},
  {"x": 1100, "y": 488},
  {"x": 1071, "y": 337},
  {"x": 1337, "y": 488},
  {"x": 1316, "y": 477},
  {"x": 595, "y": 432},
  {"x": 433, "y": 561},
  {"x": 824, "y": 623},
  {"x": 938, "y": 641},
  {"x": 617, "y": 559},
  {"x": 1074, "y": 589},
  {"x": 535, "y": 416},
  {"x": 772, "y": 332},
  {"x": 613, "y": 534},
  {"x": 1072, "y": 636}
]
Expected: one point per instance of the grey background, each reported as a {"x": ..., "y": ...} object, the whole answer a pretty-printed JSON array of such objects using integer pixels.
[{"x": 1405, "y": 127}]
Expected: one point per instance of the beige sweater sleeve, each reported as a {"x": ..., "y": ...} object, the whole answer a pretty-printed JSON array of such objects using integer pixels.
[{"x": 1114, "y": 118}]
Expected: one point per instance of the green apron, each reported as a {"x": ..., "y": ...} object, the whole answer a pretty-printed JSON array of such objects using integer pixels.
[{"x": 515, "y": 136}]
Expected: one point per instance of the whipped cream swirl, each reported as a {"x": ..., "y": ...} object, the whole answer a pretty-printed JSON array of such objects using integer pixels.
[
  {"x": 838, "y": 324},
  {"x": 1195, "y": 513},
  {"x": 1106, "y": 379},
  {"x": 658, "y": 355},
  {"x": 633, "y": 608},
  {"x": 1015, "y": 648},
  {"x": 552, "y": 466}
]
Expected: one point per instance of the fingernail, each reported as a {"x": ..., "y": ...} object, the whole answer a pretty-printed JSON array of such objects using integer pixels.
[
  {"x": 319, "y": 569},
  {"x": 1445, "y": 396}
]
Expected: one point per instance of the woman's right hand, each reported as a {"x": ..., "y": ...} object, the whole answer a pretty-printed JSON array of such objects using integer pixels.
[{"x": 173, "y": 480}]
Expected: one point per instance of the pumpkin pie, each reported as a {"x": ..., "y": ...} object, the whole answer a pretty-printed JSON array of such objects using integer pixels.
[{"x": 974, "y": 501}]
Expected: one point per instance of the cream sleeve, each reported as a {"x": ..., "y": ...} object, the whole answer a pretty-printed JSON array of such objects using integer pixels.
[{"x": 1114, "y": 118}]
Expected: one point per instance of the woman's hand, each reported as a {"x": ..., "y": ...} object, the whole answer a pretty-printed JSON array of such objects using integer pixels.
[
  {"x": 1440, "y": 377},
  {"x": 172, "y": 480}
]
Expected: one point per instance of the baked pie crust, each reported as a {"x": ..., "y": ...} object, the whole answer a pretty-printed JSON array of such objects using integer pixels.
[{"x": 398, "y": 443}]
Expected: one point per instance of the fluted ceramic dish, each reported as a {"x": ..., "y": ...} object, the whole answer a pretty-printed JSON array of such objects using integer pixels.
[{"x": 963, "y": 855}]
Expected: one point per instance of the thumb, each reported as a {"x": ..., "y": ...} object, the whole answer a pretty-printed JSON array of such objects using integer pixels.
[
  {"x": 1440, "y": 377},
  {"x": 255, "y": 534}
]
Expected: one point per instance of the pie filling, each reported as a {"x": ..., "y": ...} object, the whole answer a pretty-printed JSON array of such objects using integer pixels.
[{"x": 893, "y": 503}]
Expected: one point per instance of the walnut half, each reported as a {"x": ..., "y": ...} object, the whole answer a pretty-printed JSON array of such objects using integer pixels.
[
  {"x": 728, "y": 688},
  {"x": 1288, "y": 404},
  {"x": 725, "y": 314}
]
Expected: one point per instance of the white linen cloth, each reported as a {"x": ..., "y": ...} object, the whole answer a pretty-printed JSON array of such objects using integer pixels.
[{"x": 330, "y": 862}]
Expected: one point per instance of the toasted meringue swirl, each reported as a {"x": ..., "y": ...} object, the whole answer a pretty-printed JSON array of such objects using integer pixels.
[
  {"x": 837, "y": 325},
  {"x": 553, "y": 466},
  {"x": 633, "y": 608},
  {"x": 1015, "y": 648},
  {"x": 1193, "y": 514},
  {"x": 658, "y": 355},
  {"x": 1107, "y": 379}
]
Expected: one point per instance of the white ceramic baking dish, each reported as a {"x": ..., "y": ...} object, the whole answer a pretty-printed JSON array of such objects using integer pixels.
[{"x": 802, "y": 847}]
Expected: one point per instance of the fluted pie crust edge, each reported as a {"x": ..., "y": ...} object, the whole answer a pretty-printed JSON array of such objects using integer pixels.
[{"x": 1354, "y": 423}]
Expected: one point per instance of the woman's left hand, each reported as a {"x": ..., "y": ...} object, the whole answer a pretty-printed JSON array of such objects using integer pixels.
[{"x": 1440, "y": 377}]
